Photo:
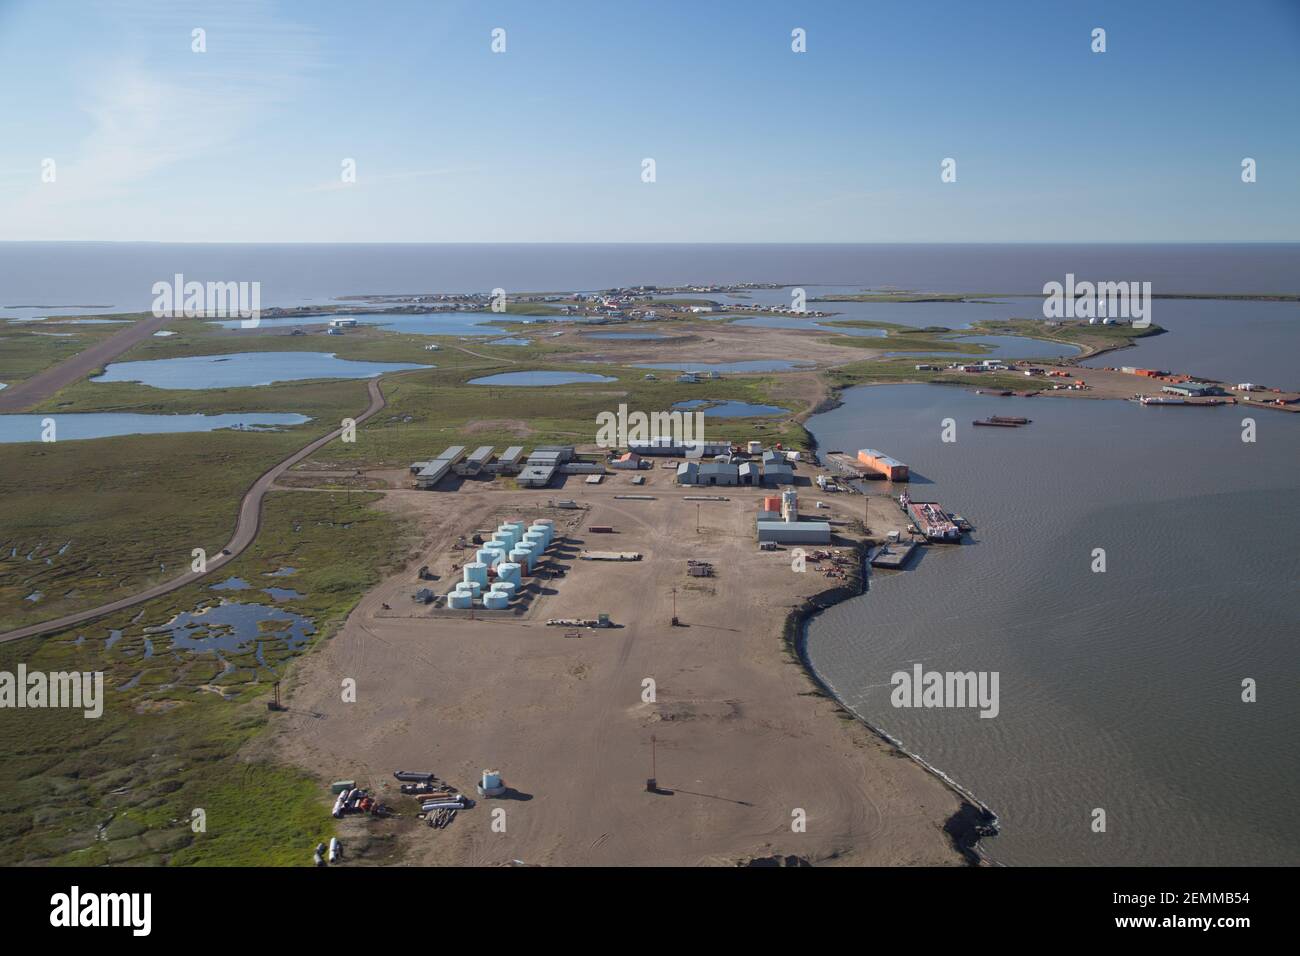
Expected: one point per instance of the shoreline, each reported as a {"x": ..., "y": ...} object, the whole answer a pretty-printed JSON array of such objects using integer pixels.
[{"x": 974, "y": 819}]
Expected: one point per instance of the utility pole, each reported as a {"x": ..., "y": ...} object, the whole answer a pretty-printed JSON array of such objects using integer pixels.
[{"x": 674, "y": 607}]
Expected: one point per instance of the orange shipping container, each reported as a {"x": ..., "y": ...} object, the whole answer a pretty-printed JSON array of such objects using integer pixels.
[{"x": 772, "y": 503}]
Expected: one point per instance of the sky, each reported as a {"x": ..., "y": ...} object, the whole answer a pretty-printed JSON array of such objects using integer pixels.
[{"x": 146, "y": 139}]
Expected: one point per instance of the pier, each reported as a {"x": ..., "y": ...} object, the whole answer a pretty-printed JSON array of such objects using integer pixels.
[{"x": 893, "y": 556}]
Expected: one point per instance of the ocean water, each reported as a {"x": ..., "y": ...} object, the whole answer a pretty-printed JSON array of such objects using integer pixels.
[
  {"x": 39, "y": 275},
  {"x": 1226, "y": 341},
  {"x": 1119, "y": 690}
]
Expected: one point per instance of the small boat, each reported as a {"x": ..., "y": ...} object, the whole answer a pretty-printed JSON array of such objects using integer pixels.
[
  {"x": 414, "y": 776},
  {"x": 994, "y": 423}
]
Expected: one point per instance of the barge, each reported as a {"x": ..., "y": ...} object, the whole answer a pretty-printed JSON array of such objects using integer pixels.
[{"x": 930, "y": 519}]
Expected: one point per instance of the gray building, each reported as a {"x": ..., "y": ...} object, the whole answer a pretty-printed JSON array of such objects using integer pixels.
[
  {"x": 778, "y": 474},
  {"x": 795, "y": 532},
  {"x": 536, "y": 476}
]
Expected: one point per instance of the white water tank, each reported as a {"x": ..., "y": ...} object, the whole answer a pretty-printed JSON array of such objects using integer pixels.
[
  {"x": 523, "y": 557},
  {"x": 476, "y": 572},
  {"x": 510, "y": 571},
  {"x": 460, "y": 600},
  {"x": 508, "y": 588},
  {"x": 506, "y": 535},
  {"x": 496, "y": 601}
]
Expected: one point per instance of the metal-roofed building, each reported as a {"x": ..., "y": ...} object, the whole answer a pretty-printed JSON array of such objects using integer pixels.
[
  {"x": 476, "y": 462},
  {"x": 795, "y": 532},
  {"x": 536, "y": 476}
]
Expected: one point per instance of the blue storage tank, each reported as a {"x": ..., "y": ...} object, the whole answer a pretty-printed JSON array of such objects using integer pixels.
[
  {"x": 460, "y": 600},
  {"x": 496, "y": 601},
  {"x": 524, "y": 558},
  {"x": 476, "y": 572},
  {"x": 508, "y": 588},
  {"x": 509, "y": 571}
]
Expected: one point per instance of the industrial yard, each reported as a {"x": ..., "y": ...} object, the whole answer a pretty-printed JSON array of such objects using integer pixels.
[{"x": 741, "y": 741}]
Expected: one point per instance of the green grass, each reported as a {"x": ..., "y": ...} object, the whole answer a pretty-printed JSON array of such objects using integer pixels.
[
  {"x": 131, "y": 509},
  {"x": 24, "y": 351},
  {"x": 166, "y": 746}
]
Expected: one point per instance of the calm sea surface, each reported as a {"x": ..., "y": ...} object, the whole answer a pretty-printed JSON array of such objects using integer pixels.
[{"x": 1119, "y": 690}]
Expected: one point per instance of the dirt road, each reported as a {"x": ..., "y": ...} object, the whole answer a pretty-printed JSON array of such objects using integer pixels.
[{"x": 246, "y": 528}]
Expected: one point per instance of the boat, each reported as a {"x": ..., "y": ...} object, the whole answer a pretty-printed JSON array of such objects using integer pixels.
[
  {"x": 930, "y": 518},
  {"x": 413, "y": 776}
]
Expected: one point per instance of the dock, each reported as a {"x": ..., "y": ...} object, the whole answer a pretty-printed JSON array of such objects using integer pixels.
[{"x": 893, "y": 556}]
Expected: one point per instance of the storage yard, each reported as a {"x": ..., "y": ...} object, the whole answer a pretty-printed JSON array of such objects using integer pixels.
[{"x": 569, "y": 659}]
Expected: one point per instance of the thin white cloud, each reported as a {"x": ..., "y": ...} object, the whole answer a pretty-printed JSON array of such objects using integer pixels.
[{"x": 152, "y": 104}]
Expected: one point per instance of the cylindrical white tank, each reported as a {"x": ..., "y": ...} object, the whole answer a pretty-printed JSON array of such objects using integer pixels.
[
  {"x": 545, "y": 530},
  {"x": 518, "y": 527},
  {"x": 460, "y": 600},
  {"x": 477, "y": 572},
  {"x": 537, "y": 539},
  {"x": 491, "y": 779},
  {"x": 506, "y": 535},
  {"x": 495, "y": 556},
  {"x": 473, "y": 587},
  {"x": 509, "y": 571},
  {"x": 546, "y": 521},
  {"x": 508, "y": 588},
  {"x": 484, "y": 555},
  {"x": 496, "y": 601},
  {"x": 524, "y": 558}
]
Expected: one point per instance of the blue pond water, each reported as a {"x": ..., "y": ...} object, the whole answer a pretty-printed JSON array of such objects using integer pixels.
[
  {"x": 74, "y": 427},
  {"x": 282, "y": 594},
  {"x": 426, "y": 323},
  {"x": 756, "y": 365},
  {"x": 731, "y": 409},
  {"x": 244, "y": 369},
  {"x": 231, "y": 584},
  {"x": 234, "y": 628},
  {"x": 540, "y": 378}
]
